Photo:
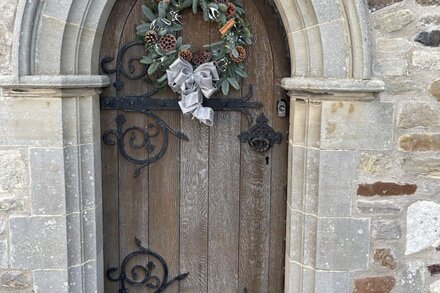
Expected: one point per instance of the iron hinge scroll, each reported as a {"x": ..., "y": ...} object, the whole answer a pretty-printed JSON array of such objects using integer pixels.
[{"x": 149, "y": 279}]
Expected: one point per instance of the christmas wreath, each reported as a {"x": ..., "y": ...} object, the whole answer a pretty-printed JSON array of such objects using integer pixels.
[{"x": 195, "y": 74}]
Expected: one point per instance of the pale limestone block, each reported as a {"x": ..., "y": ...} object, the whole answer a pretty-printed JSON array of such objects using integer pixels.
[
  {"x": 335, "y": 195},
  {"x": 413, "y": 278},
  {"x": 357, "y": 125},
  {"x": 343, "y": 244},
  {"x": 434, "y": 287},
  {"x": 426, "y": 59},
  {"x": 423, "y": 226},
  {"x": 38, "y": 242},
  {"x": 392, "y": 66},
  {"x": 393, "y": 45},
  {"x": 13, "y": 166},
  {"x": 422, "y": 166},
  {"x": 81, "y": 120},
  {"x": 335, "y": 49},
  {"x": 51, "y": 281},
  {"x": 418, "y": 114},
  {"x": 333, "y": 282},
  {"x": 47, "y": 181},
  {"x": 386, "y": 230},
  {"x": 8, "y": 8},
  {"x": 31, "y": 121},
  {"x": 378, "y": 207},
  {"x": 394, "y": 21},
  {"x": 326, "y": 10}
]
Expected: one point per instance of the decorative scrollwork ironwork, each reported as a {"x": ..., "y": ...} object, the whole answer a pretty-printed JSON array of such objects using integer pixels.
[
  {"x": 119, "y": 68},
  {"x": 151, "y": 130},
  {"x": 149, "y": 279},
  {"x": 261, "y": 137}
]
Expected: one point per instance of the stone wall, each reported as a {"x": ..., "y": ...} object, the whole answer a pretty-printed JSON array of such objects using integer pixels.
[
  {"x": 398, "y": 182},
  {"x": 14, "y": 166}
]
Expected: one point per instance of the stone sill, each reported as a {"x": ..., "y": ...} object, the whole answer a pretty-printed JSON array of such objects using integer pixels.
[
  {"x": 332, "y": 88},
  {"x": 54, "y": 81}
]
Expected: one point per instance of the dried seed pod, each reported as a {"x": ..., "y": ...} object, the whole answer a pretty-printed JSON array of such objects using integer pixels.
[
  {"x": 241, "y": 55},
  {"x": 186, "y": 55},
  {"x": 201, "y": 57},
  {"x": 167, "y": 42}
]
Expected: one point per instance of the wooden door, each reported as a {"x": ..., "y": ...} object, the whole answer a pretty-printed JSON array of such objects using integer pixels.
[{"x": 210, "y": 206}]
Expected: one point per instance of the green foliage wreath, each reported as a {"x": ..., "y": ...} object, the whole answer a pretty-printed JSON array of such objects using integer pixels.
[{"x": 160, "y": 31}]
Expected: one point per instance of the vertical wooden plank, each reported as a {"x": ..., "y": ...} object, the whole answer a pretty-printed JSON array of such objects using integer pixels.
[
  {"x": 278, "y": 200},
  {"x": 110, "y": 154},
  {"x": 256, "y": 169},
  {"x": 224, "y": 196},
  {"x": 224, "y": 208},
  {"x": 278, "y": 204},
  {"x": 194, "y": 180},
  {"x": 164, "y": 202},
  {"x": 133, "y": 192}
]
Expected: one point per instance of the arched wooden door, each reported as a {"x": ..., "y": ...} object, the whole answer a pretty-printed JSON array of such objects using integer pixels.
[{"x": 210, "y": 206}]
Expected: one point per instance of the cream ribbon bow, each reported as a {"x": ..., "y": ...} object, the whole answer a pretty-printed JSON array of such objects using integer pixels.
[{"x": 192, "y": 85}]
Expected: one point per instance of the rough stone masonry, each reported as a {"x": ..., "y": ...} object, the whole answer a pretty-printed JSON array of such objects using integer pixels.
[{"x": 390, "y": 185}]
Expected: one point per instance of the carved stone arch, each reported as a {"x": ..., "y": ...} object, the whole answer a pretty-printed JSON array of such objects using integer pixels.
[
  {"x": 56, "y": 54},
  {"x": 327, "y": 39}
]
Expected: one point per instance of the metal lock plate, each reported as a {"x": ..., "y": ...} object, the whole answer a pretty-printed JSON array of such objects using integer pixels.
[{"x": 282, "y": 108}]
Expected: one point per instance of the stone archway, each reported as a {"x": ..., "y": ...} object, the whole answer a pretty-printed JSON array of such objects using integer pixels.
[{"x": 55, "y": 56}]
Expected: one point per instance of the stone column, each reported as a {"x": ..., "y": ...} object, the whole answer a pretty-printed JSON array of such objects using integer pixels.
[
  {"x": 325, "y": 240},
  {"x": 55, "y": 229}
]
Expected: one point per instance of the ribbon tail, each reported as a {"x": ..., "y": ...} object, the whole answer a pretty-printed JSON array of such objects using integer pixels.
[
  {"x": 190, "y": 102},
  {"x": 204, "y": 115}
]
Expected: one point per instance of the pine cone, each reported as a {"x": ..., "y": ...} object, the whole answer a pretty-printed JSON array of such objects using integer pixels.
[
  {"x": 241, "y": 54},
  {"x": 167, "y": 43},
  {"x": 151, "y": 37},
  {"x": 201, "y": 57},
  {"x": 230, "y": 11},
  {"x": 186, "y": 55}
]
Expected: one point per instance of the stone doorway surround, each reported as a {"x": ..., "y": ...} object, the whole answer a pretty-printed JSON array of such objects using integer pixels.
[{"x": 55, "y": 78}]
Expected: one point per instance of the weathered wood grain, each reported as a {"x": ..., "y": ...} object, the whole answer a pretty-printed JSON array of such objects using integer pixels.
[
  {"x": 194, "y": 181},
  {"x": 256, "y": 168},
  {"x": 133, "y": 192},
  {"x": 110, "y": 154}
]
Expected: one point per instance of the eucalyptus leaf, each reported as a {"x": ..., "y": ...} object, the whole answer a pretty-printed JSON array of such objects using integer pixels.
[
  {"x": 162, "y": 11},
  {"x": 153, "y": 67},
  {"x": 162, "y": 32},
  {"x": 186, "y": 4},
  {"x": 234, "y": 52},
  {"x": 225, "y": 87},
  {"x": 142, "y": 28},
  {"x": 241, "y": 72},
  {"x": 194, "y": 6},
  {"x": 147, "y": 60},
  {"x": 185, "y": 47},
  {"x": 150, "y": 15},
  {"x": 158, "y": 51},
  {"x": 234, "y": 83},
  {"x": 162, "y": 78}
]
